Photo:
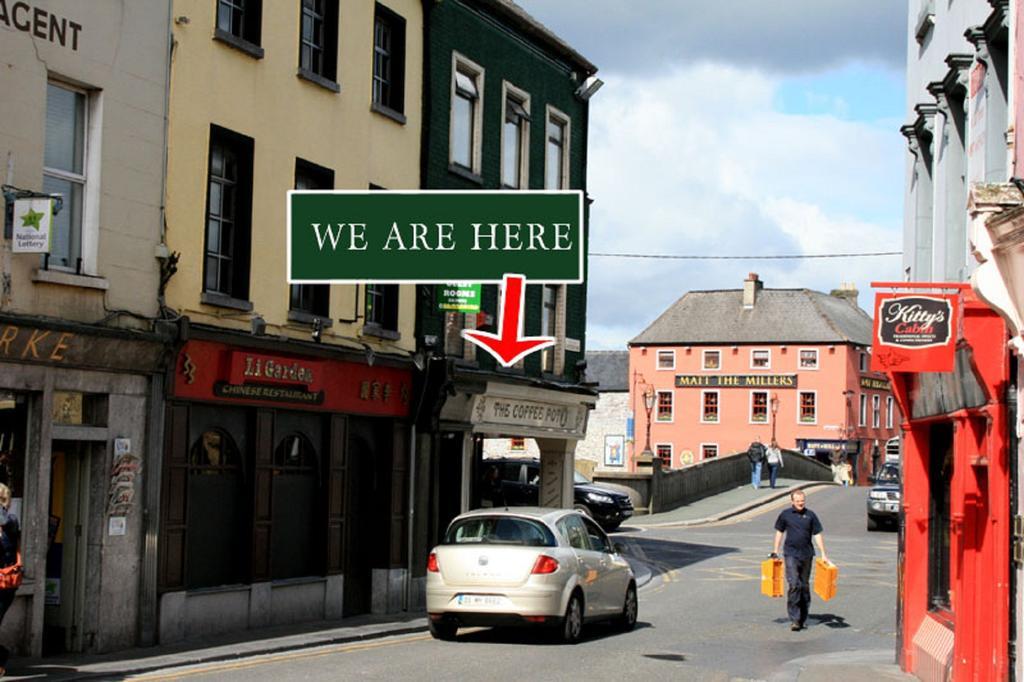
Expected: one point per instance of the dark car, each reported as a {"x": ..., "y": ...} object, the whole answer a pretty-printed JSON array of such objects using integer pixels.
[
  {"x": 514, "y": 482},
  {"x": 884, "y": 497}
]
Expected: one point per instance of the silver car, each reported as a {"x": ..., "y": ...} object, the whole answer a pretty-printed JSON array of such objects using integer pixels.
[{"x": 527, "y": 565}]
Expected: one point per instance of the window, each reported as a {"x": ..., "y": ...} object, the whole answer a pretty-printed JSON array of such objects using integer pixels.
[
  {"x": 575, "y": 533},
  {"x": 876, "y": 411},
  {"x": 64, "y": 171},
  {"x": 664, "y": 406},
  {"x": 310, "y": 300},
  {"x": 759, "y": 407},
  {"x": 711, "y": 359},
  {"x": 499, "y": 530},
  {"x": 515, "y": 139},
  {"x": 318, "y": 39},
  {"x": 863, "y": 421},
  {"x": 664, "y": 452},
  {"x": 238, "y": 24},
  {"x": 228, "y": 215},
  {"x": 382, "y": 310},
  {"x": 549, "y": 325},
  {"x": 467, "y": 96},
  {"x": 517, "y": 444},
  {"x": 888, "y": 412},
  {"x": 708, "y": 450},
  {"x": 863, "y": 361},
  {"x": 295, "y": 528},
  {"x": 215, "y": 512},
  {"x": 940, "y": 476},
  {"x": 709, "y": 408},
  {"x": 666, "y": 359},
  {"x": 808, "y": 358},
  {"x": 388, "y": 61},
  {"x": 556, "y": 154},
  {"x": 760, "y": 358},
  {"x": 808, "y": 407}
]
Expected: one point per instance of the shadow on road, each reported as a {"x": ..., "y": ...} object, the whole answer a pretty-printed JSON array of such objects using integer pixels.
[
  {"x": 830, "y": 620},
  {"x": 543, "y": 636},
  {"x": 667, "y": 555}
]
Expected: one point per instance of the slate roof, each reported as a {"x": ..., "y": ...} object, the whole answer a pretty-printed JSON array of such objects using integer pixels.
[
  {"x": 778, "y": 316},
  {"x": 609, "y": 368}
]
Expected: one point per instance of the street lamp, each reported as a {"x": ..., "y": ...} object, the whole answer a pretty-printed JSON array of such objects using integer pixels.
[
  {"x": 847, "y": 422},
  {"x": 775, "y": 411},
  {"x": 647, "y": 456}
]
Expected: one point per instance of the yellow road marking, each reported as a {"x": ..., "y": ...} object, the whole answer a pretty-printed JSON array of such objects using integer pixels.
[{"x": 264, "y": 659}]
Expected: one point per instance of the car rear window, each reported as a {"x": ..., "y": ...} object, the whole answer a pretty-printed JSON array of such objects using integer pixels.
[{"x": 499, "y": 530}]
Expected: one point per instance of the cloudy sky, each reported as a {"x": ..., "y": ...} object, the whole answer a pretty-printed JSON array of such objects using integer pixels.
[{"x": 737, "y": 127}]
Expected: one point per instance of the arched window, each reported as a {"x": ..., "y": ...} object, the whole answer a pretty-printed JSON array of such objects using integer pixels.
[
  {"x": 217, "y": 519},
  {"x": 296, "y": 544}
]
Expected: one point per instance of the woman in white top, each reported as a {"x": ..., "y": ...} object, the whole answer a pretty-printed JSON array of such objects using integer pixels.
[{"x": 774, "y": 457}]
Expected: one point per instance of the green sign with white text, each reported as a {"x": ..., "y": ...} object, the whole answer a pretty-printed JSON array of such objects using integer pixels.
[
  {"x": 435, "y": 237},
  {"x": 458, "y": 297}
]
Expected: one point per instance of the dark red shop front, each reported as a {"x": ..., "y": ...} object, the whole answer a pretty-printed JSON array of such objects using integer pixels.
[
  {"x": 954, "y": 587},
  {"x": 284, "y": 487}
]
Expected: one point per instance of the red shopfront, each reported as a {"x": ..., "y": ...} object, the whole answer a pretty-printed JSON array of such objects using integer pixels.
[
  {"x": 284, "y": 479},
  {"x": 954, "y": 582}
]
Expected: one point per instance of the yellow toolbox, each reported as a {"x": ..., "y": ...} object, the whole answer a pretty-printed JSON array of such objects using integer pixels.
[
  {"x": 826, "y": 577},
  {"x": 773, "y": 576}
]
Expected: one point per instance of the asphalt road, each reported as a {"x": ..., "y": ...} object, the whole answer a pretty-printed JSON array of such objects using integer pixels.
[{"x": 701, "y": 618}]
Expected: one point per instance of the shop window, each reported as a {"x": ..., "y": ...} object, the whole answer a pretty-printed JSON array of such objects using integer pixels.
[
  {"x": 759, "y": 407},
  {"x": 808, "y": 358},
  {"x": 388, "y": 62},
  {"x": 664, "y": 453},
  {"x": 294, "y": 532},
  {"x": 708, "y": 450},
  {"x": 712, "y": 359},
  {"x": 664, "y": 406},
  {"x": 306, "y": 301},
  {"x": 217, "y": 522},
  {"x": 666, "y": 359},
  {"x": 13, "y": 422},
  {"x": 709, "y": 411},
  {"x": 940, "y": 475},
  {"x": 808, "y": 407}
]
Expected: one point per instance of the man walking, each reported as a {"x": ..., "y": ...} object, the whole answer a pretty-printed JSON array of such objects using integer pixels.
[
  {"x": 755, "y": 453},
  {"x": 800, "y": 525}
]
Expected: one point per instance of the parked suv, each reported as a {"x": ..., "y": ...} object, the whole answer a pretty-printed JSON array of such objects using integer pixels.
[
  {"x": 514, "y": 483},
  {"x": 884, "y": 498}
]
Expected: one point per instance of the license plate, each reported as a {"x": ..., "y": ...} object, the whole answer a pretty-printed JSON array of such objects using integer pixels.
[{"x": 478, "y": 600}]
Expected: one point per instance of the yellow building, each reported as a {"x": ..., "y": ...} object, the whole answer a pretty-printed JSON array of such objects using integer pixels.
[{"x": 287, "y": 422}]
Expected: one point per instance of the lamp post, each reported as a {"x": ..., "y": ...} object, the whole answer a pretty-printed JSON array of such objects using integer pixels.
[
  {"x": 847, "y": 422},
  {"x": 647, "y": 457},
  {"x": 775, "y": 411}
]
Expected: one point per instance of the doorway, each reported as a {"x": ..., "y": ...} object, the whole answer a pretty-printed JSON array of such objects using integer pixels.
[{"x": 66, "y": 556}]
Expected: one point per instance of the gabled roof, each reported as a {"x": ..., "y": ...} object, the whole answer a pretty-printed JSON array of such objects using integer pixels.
[
  {"x": 778, "y": 316},
  {"x": 539, "y": 32},
  {"x": 609, "y": 369}
]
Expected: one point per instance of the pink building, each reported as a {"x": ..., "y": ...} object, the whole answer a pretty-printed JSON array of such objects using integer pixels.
[{"x": 720, "y": 368}]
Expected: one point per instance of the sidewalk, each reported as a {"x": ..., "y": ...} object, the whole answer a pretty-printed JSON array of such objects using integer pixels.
[
  {"x": 724, "y": 505},
  {"x": 842, "y": 666}
]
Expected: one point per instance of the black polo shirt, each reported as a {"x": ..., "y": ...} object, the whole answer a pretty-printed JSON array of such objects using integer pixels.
[{"x": 799, "y": 527}]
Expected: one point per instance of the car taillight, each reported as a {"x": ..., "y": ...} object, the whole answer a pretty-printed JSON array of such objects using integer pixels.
[
  {"x": 432, "y": 562},
  {"x": 545, "y": 564}
]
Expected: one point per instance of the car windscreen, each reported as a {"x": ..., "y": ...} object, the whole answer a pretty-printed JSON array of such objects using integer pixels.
[
  {"x": 888, "y": 474},
  {"x": 499, "y": 530}
]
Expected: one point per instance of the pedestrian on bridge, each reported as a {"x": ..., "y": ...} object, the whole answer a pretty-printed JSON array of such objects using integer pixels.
[
  {"x": 774, "y": 458},
  {"x": 755, "y": 453},
  {"x": 800, "y": 526}
]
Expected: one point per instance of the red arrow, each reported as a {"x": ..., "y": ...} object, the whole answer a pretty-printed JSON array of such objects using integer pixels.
[{"x": 511, "y": 346}]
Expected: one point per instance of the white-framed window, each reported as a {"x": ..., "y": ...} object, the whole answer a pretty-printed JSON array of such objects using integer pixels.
[
  {"x": 71, "y": 169},
  {"x": 664, "y": 407},
  {"x": 760, "y": 358},
  {"x": 711, "y": 360},
  {"x": 664, "y": 452},
  {"x": 863, "y": 416},
  {"x": 465, "y": 131},
  {"x": 556, "y": 149},
  {"x": 515, "y": 137},
  {"x": 708, "y": 450},
  {"x": 888, "y": 412},
  {"x": 759, "y": 407},
  {"x": 807, "y": 407},
  {"x": 709, "y": 407},
  {"x": 863, "y": 361},
  {"x": 808, "y": 358},
  {"x": 876, "y": 411},
  {"x": 666, "y": 359}
]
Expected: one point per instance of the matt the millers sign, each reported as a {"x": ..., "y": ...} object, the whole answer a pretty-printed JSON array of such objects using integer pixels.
[
  {"x": 915, "y": 332},
  {"x": 736, "y": 381}
]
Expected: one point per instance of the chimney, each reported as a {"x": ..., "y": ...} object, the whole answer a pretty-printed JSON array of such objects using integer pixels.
[
  {"x": 751, "y": 285},
  {"x": 846, "y": 291}
]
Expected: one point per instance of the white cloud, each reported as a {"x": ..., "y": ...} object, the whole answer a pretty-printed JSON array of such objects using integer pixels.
[{"x": 698, "y": 162}]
